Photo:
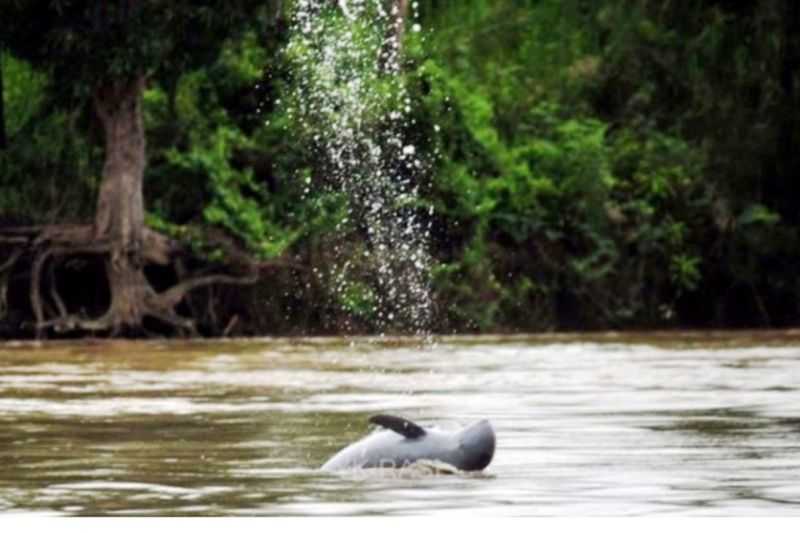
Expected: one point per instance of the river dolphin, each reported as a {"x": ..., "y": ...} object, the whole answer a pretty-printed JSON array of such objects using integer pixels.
[{"x": 403, "y": 443}]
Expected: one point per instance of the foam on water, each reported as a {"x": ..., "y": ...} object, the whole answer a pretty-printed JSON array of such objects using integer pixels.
[{"x": 350, "y": 104}]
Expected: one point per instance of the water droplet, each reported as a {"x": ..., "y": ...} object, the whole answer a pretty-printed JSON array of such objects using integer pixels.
[{"x": 333, "y": 104}]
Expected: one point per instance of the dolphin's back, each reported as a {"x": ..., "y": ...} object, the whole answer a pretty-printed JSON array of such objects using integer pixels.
[
  {"x": 387, "y": 449},
  {"x": 404, "y": 443}
]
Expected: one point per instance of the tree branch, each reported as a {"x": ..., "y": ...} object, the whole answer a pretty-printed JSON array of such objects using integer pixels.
[
  {"x": 16, "y": 254},
  {"x": 173, "y": 296}
]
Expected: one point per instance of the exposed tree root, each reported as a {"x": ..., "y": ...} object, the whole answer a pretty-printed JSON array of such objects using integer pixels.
[
  {"x": 132, "y": 296},
  {"x": 53, "y": 290}
]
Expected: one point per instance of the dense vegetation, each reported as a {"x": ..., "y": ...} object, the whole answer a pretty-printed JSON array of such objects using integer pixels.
[{"x": 604, "y": 164}]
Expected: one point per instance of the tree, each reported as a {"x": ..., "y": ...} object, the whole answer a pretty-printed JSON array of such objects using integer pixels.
[
  {"x": 3, "y": 140},
  {"x": 400, "y": 11},
  {"x": 106, "y": 53},
  {"x": 3, "y": 122}
]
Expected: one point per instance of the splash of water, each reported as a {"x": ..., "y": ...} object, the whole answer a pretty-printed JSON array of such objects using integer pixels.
[{"x": 350, "y": 102}]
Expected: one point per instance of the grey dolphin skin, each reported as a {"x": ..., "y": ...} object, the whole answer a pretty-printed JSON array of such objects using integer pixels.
[{"x": 404, "y": 443}]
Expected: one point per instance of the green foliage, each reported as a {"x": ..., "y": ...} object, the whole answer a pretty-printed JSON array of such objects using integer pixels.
[
  {"x": 23, "y": 94},
  {"x": 85, "y": 43},
  {"x": 216, "y": 156},
  {"x": 359, "y": 300},
  {"x": 552, "y": 218},
  {"x": 48, "y": 172}
]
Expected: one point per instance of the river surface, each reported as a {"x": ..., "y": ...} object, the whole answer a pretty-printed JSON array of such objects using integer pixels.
[{"x": 682, "y": 424}]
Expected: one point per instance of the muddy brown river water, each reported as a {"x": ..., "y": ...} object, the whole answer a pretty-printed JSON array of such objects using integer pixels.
[{"x": 681, "y": 424}]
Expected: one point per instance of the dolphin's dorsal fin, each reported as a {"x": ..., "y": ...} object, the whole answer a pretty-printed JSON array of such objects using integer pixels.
[{"x": 399, "y": 425}]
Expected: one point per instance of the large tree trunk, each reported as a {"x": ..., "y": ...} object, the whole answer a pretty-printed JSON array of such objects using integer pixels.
[
  {"x": 120, "y": 204},
  {"x": 119, "y": 218}
]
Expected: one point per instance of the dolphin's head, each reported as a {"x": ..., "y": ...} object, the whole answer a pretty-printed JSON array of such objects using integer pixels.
[{"x": 477, "y": 445}]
